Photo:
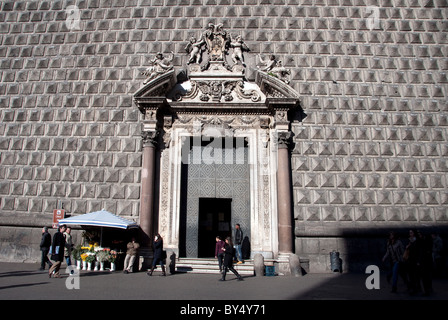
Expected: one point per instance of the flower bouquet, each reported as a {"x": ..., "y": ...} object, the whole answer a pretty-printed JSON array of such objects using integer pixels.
[
  {"x": 102, "y": 256},
  {"x": 76, "y": 252},
  {"x": 84, "y": 256},
  {"x": 112, "y": 259},
  {"x": 90, "y": 258}
]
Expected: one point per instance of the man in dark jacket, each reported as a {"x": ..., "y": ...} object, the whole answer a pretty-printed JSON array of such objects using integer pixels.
[
  {"x": 158, "y": 255},
  {"x": 45, "y": 244},
  {"x": 57, "y": 251},
  {"x": 238, "y": 242}
]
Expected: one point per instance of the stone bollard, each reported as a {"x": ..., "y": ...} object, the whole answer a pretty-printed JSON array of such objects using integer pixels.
[
  {"x": 294, "y": 264},
  {"x": 259, "y": 265},
  {"x": 171, "y": 261}
]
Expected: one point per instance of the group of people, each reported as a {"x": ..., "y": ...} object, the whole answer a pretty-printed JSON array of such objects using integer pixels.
[
  {"x": 59, "y": 247},
  {"x": 226, "y": 252},
  {"x": 416, "y": 262}
]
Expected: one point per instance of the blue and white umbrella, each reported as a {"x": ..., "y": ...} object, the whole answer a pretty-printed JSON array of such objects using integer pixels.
[{"x": 101, "y": 219}]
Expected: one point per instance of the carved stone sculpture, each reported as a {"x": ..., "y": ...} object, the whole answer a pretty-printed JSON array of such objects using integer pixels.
[
  {"x": 195, "y": 48},
  {"x": 238, "y": 46},
  {"x": 157, "y": 66},
  {"x": 275, "y": 68}
]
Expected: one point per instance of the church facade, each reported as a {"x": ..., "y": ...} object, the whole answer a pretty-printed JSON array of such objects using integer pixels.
[{"x": 318, "y": 126}]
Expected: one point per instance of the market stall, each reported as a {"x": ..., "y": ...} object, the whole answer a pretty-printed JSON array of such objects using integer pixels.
[{"x": 103, "y": 245}]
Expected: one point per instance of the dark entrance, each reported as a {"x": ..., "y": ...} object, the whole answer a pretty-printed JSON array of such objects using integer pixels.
[
  {"x": 216, "y": 185},
  {"x": 214, "y": 220}
]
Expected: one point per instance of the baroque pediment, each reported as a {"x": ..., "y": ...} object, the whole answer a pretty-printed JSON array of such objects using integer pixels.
[{"x": 211, "y": 83}]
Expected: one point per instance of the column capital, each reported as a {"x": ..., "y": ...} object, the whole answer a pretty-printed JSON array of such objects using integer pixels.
[
  {"x": 150, "y": 138},
  {"x": 284, "y": 139}
]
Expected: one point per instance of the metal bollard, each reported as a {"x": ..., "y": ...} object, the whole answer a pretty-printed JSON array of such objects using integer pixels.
[{"x": 335, "y": 261}]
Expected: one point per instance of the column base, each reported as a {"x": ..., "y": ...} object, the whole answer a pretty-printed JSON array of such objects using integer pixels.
[{"x": 283, "y": 266}]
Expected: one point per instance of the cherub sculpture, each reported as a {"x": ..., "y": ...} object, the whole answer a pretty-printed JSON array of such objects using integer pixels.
[
  {"x": 195, "y": 48},
  {"x": 238, "y": 46},
  {"x": 157, "y": 66}
]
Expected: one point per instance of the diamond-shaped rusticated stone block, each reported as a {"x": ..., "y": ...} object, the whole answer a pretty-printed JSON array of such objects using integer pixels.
[
  {"x": 74, "y": 190},
  {"x": 59, "y": 190},
  {"x": 133, "y": 192},
  {"x": 127, "y": 208}
]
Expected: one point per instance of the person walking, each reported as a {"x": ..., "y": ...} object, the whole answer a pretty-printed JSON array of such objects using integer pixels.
[
  {"x": 45, "y": 244},
  {"x": 238, "y": 242},
  {"x": 131, "y": 254},
  {"x": 57, "y": 252},
  {"x": 228, "y": 260},
  {"x": 158, "y": 255},
  {"x": 437, "y": 255},
  {"x": 68, "y": 246},
  {"x": 424, "y": 263},
  {"x": 394, "y": 252},
  {"x": 219, "y": 252},
  {"x": 411, "y": 258}
]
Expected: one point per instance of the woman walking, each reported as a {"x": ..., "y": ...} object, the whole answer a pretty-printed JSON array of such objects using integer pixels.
[
  {"x": 158, "y": 255},
  {"x": 394, "y": 252},
  {"x": 228, "y": 260}
]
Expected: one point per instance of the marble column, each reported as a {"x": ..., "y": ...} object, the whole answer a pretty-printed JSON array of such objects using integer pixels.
[
  {"x": 284, "y": 197},
  {"x": 147, "y": 191}
]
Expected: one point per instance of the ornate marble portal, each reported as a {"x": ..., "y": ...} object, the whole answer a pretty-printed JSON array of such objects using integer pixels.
[{"x": 195, "y": 122}]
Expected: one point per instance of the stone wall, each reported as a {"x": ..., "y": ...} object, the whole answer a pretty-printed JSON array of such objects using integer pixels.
[{"x": 371, "y": 153}]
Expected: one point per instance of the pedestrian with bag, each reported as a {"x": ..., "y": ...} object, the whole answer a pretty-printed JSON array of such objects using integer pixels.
[
  {"x": 159, "y": 255},
  {"x": 228, "y": 260},
  {"x": 57, "y": 252}
]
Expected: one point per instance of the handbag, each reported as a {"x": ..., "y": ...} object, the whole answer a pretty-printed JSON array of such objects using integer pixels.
[
  {"x": 54, "y": 255},
  {"x": 406, "y": 254},
  {"x": 164, "y": 254}
]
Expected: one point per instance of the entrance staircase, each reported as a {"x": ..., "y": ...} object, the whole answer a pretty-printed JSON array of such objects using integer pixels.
[{"x": 210, "y": 266}]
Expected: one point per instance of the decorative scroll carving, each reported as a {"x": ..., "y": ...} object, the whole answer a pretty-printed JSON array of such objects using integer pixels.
[
  {"x": 251, "y": 94},
  {"x": 218, "y": 90}
]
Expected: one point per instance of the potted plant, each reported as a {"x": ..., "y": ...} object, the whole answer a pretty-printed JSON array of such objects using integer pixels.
[
  {"x": 102, "y": 256},
  {"x": 89, "y": 259},
  {"x": 76, "y": 252},
  {"x": 112, "y": 259},
  {"x": 84, "y": 256}
]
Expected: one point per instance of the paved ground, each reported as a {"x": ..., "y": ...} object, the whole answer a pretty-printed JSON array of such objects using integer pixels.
[{"x": 22, "y": 281}]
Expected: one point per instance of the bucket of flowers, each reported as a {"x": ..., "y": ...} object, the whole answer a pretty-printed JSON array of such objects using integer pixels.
[
  {"x": 112, "y": 259},
  {"x": 102, "y": 256},
  {"x": 91, "y": 257}
]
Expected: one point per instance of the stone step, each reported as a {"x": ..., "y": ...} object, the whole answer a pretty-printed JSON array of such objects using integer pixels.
[{"x": 210, "y": 266}]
